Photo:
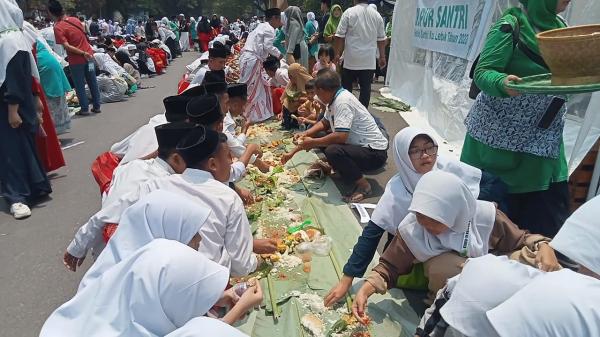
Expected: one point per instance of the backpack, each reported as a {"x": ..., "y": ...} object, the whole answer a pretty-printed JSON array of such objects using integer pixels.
[{"x": 517, "y": 43}]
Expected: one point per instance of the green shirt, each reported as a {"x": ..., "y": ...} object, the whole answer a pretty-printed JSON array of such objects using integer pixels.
[
  {"x": 279, "y": 38},
  {"x": 522, "y": 172}
]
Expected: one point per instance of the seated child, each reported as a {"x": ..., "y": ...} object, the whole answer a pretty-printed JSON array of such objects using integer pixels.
[
  {"x": 326, "y": 55},
  {"x": 294, "y": 95},
  {"x": 309, "y": 112},
  {"x": 238, "y": 97},
  {"x": 279, "y": 80}
]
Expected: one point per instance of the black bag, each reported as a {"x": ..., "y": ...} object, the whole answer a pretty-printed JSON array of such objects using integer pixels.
[
  {"x": 297, "y": 53},
  {"x": 517, "y": 43}
]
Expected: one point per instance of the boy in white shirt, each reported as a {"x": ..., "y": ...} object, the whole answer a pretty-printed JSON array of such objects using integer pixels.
[{"x": 238, "y": 97}]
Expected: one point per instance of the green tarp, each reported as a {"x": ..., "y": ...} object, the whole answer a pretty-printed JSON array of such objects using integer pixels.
[{"x": 321, "y": 202}]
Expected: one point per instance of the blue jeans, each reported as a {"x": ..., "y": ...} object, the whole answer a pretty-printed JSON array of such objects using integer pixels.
[{"x": 80, "y": 75}]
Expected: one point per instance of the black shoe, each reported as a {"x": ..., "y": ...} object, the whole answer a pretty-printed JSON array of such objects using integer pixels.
[
  {"x": 84, "y": 113},
  {"x": 96, "y": 111}
]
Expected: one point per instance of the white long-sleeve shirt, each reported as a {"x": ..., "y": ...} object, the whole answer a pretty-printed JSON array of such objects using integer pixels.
[
  {"x": 260, "y": 42},
  {"x": 237, "y": 147},
  {"x": 121, "y": 147},
  {"x": 128, "y": 177},
  {"x": 281, "y": 78},
  {"x": 226, "y": 235}
]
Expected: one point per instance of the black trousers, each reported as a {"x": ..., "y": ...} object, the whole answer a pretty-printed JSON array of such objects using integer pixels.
[
  {"x": 541, "y": 212},
  {"x": 365, "y": 78},
  {"x": 352, "y": 160}
]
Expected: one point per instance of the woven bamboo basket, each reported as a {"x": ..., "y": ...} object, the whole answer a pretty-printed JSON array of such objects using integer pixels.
[{"x": 573, "y": 54}]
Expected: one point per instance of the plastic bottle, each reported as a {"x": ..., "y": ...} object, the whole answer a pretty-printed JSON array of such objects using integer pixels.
[{"x": 240, "y": 288}]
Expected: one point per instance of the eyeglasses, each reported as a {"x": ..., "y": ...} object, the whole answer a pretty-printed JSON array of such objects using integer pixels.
[{"x": 418, "y": 153}]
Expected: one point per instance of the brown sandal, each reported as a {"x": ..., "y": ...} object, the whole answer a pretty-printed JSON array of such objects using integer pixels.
[{"x": 358, "y": 195}]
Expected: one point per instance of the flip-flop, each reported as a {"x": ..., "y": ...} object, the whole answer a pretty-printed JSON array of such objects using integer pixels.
[{"x": 353, "y": 197}]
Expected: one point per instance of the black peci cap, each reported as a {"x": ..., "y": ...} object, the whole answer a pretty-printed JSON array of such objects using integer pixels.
[
  {"x": 175, "y": 107},
  {"x": 204, "y": 110},
  {"x": 168, "y": 135},
  {"x": 238, "y": 90},
  {"x": 198, "y": 145}
]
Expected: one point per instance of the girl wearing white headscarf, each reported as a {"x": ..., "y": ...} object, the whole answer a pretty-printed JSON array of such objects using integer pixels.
[
  {"x": 297, "y": 50},
  {"x": 468, "y": 307},
  {"x": 394, "y": 204},
  {"x": 445, "y": 217},
  {"x": 460, "y": 307},
  {"x": 154, "y": 291},
  {"x": 22, "y": 176},
  {"x": 168, "y": 37},
  {"x": 205, "y": 326},
  {"x": 311, "y": 30},
  {"x": 563, "y": 303},
  {"x": 161, "y": 214}
]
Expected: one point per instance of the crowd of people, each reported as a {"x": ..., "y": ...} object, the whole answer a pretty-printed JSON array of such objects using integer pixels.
[{"x": 173, "y": 228}]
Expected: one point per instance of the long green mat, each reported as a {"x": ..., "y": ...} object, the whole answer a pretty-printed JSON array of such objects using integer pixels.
[{"x": 319, "y": 201}]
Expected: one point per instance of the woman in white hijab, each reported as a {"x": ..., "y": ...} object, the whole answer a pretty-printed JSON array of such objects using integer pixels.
[
  {"x": 160, "y": 214},
  {"x": 154, "y": 291},
  {"x": 22, "y": 176},
  {"x": 445, "y": 217},
  {"x": 564, "y": 303},
  {"x": 415, "y": 153},
  {"x": 460, "y": 307},
  {"x": 106, "y": 63},
  {"x": 205, "y": 326}
]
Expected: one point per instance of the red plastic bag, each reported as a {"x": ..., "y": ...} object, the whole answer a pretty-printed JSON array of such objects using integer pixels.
[
  {"x": 102, "y": 169},
  {"x": 108, "y": 231}
]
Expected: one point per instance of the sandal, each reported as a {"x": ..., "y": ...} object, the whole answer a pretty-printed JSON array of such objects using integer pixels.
[{"x": 358, "y": 195}]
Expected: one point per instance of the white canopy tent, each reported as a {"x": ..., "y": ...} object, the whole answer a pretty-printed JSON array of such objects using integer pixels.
[{"x": 436, "y": 84}]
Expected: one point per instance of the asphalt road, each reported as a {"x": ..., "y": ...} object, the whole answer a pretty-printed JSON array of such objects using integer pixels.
[{"x": 33, "y": 280}]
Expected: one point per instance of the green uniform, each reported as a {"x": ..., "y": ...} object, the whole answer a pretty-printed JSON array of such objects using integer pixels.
[{"x": 522, "y": 172}]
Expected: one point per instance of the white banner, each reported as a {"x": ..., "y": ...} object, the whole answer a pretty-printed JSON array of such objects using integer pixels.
[{"x": 446, "y": 26}]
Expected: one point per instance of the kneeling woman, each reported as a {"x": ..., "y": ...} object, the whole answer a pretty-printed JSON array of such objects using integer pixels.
[
  {"x": 445, "y": 217},
  {"x": 415, "y": 154}
]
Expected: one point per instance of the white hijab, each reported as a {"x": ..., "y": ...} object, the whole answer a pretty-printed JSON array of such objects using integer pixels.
[
  {"x": 106, "y": 63},
  {"x": 562, "y": 303},
  {"x": 310, "y": 16},
  {"x": 156, "y": 290},
  {"x": 34, "y": 35},
  {"x": 579, "y": 237},
  {"x": 205, "y": 326},
  {"x": 12, "y": 39},
  {"x": 160, "y": 214},
  {"x": 442, "y": 196},
  {"x": 393, "y": 205},
  {"x": 484, "y": 283}
]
